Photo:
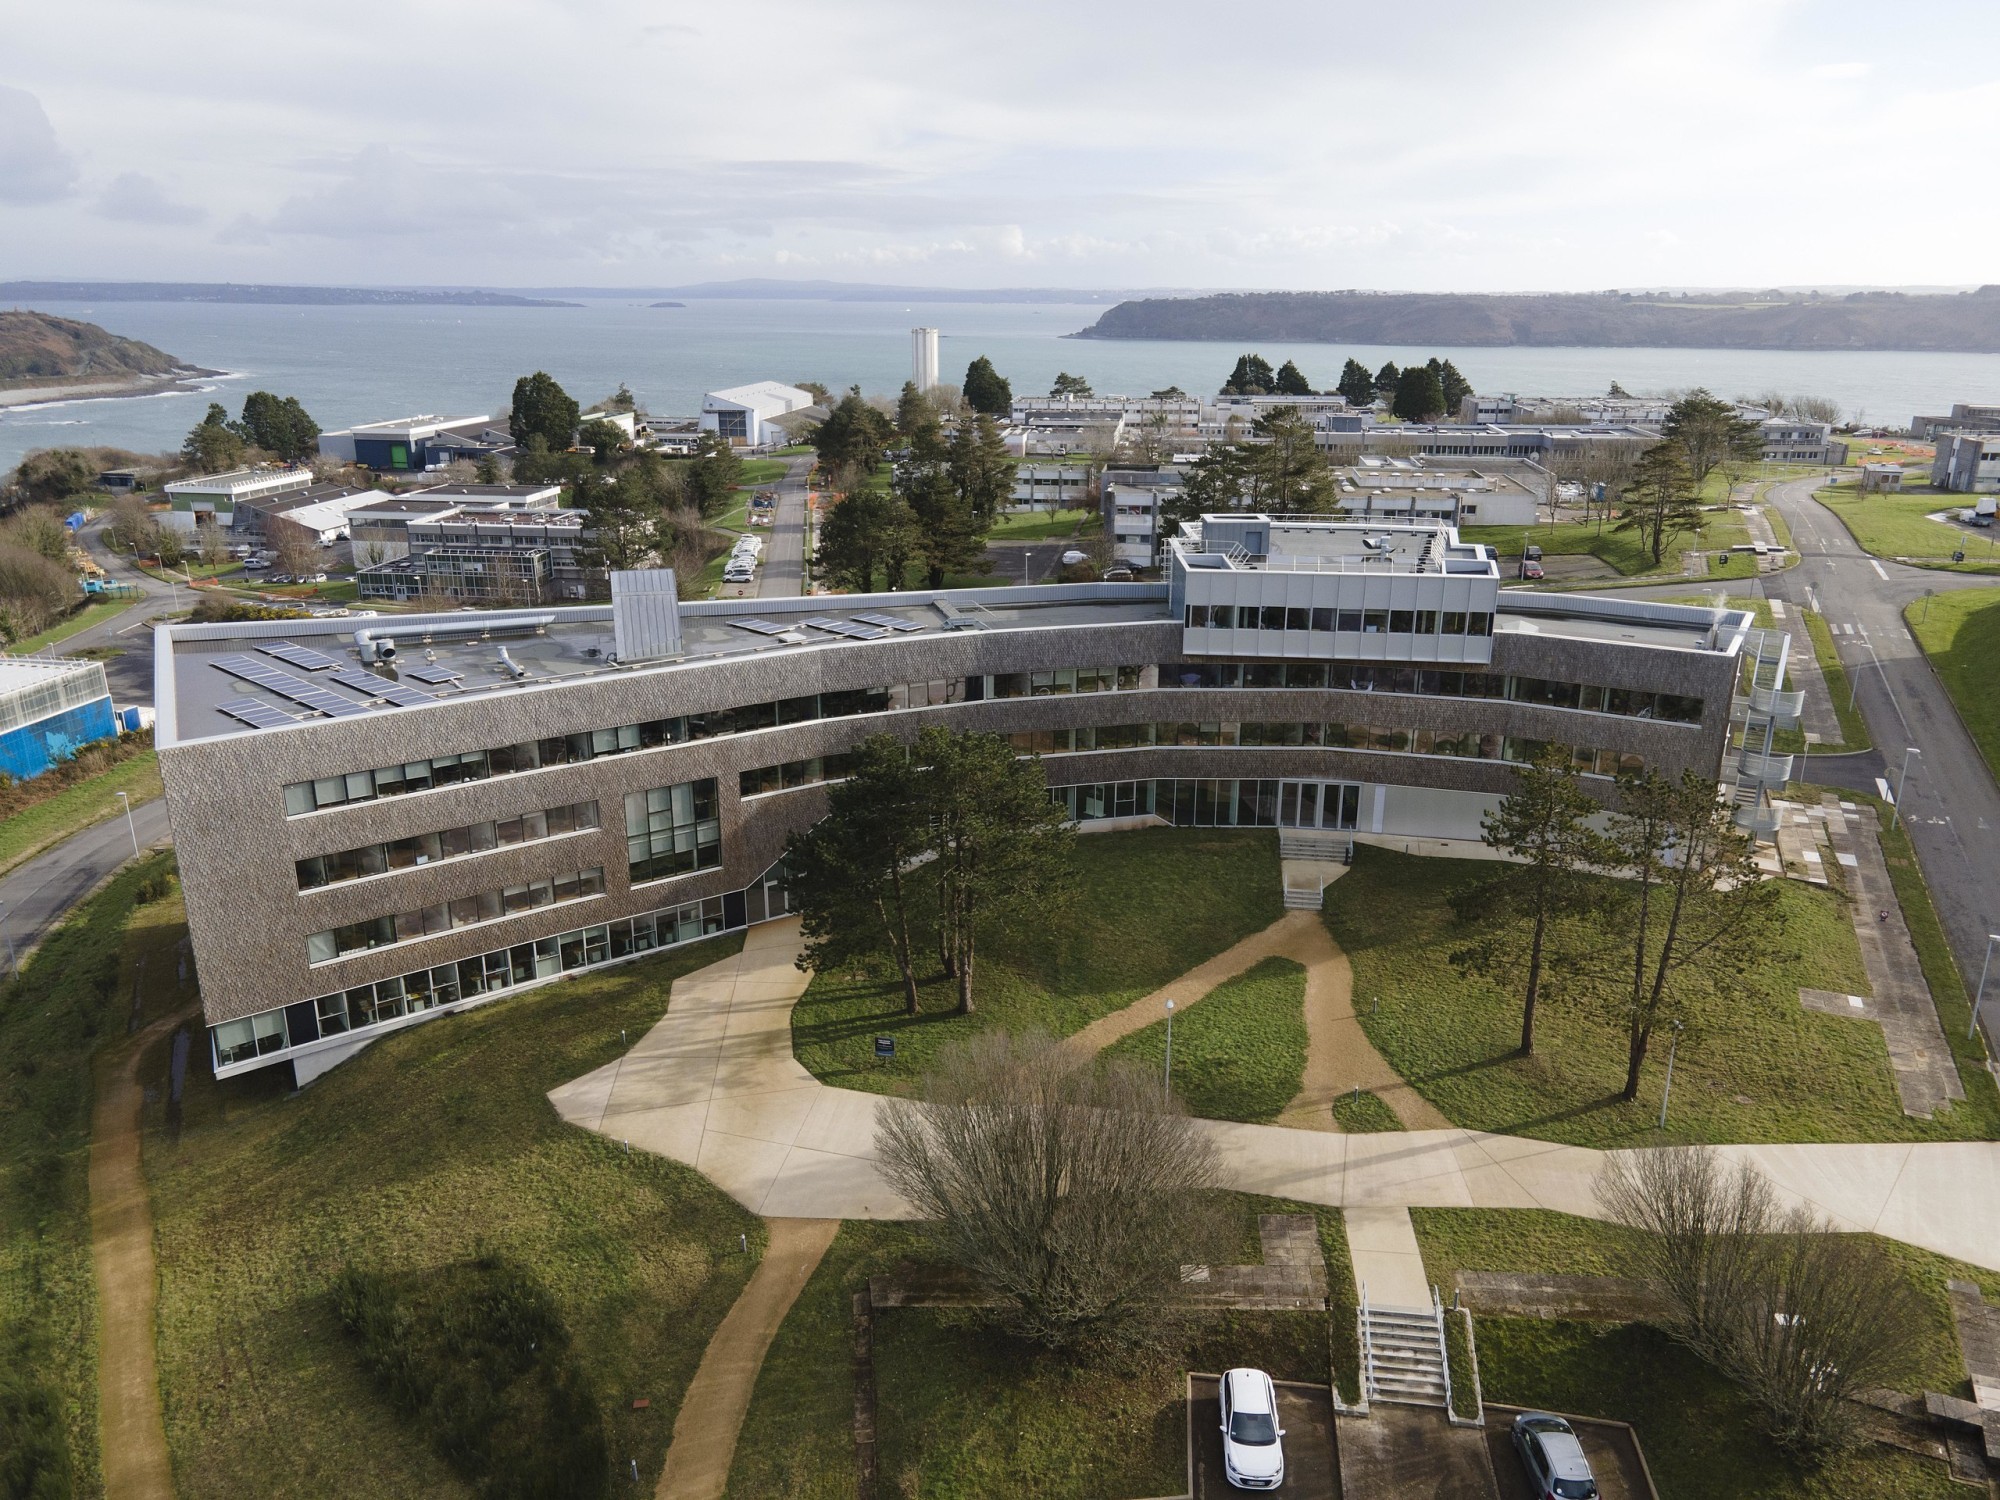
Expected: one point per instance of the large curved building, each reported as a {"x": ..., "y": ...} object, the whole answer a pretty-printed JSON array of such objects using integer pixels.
[{"x": 375, "y": 825}]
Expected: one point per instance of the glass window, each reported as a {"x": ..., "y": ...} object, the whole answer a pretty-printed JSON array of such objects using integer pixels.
[
  {"x": 1374, "y": 622},
  {"x": 1402, "y": 621}
]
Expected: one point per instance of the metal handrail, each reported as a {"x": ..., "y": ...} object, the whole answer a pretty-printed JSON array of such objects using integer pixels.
[
  {"x": 1768, "y": 768},
  {"x": 1444, "y": 1345},
  {"x": 1368, "y": 1390}
]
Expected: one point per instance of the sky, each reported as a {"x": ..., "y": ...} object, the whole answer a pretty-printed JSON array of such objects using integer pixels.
[{"x": 1543, "y": 145}]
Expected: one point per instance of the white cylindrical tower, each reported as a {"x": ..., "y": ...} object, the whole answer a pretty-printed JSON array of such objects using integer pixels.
[{"x": 924, "y": 357}]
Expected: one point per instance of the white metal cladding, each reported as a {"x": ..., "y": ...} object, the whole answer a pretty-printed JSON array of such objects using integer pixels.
[
  {"x": 645, "y": 614},
  {"x": 1256, "y": 588},
  {"x": 31, "y": 691}
]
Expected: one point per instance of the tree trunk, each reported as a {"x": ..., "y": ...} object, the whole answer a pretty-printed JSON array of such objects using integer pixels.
[
  {"x": 965, "y": 953},
  {"x": 900, "y": 937},
  {"x": 1635, "y": 1059},
  {"x": 1534, "y": 981}
]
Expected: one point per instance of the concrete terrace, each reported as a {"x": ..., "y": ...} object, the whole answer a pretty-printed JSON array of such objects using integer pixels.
[{"x": 714, "y": 1085}]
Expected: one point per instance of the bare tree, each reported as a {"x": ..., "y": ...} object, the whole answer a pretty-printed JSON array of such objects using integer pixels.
[
  {"x": 298, "y": 553},
  {"x": 1817, "y": 409},
  {"x": 1802, "y": 1318},
  {"x": 947, "y": 400},
  {"x": 1072, "y": 1191}
]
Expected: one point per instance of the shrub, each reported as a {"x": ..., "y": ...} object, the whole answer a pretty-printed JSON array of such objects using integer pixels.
[
  {"x": 476, "y": 1354},
  {"x": 34, "y": 1446}
]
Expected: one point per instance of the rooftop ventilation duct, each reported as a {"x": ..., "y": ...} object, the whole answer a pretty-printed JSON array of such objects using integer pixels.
[{"x": 646, "y": 615}]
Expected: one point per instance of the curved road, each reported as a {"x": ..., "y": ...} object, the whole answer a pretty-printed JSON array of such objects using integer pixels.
[
  {"x": 39, "y": 894},
  {"x": 1952, "y": 806}
]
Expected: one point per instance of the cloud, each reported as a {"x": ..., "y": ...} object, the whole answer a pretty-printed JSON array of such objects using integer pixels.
[
  {"x": 135, "y": 198},
  {"x": 1842, "y": 70},
  {"x": 34, "y": 167}
]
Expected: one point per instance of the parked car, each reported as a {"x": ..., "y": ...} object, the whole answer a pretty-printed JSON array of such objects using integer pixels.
[
  {"x": 1253, "y": 1449},
  {"x": 1531, "y": 568},
  {"x": 1553, "y": 1457},
  {"x": 1117, "y": 575},
  {"x": 1532, "y": 552}
]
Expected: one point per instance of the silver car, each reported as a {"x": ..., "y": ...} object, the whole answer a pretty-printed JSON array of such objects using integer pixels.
[{"x": 1553, "y": 1457}]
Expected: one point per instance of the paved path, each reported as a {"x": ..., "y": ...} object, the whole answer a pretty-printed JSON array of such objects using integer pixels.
[
  {"x": 40, "y": 893},
  {"x": 784, "y": 569},
  {"x": 715, "y": 1085},
  {"x": 711, "y": 1414},
  {"x": 132, "y": 1433},
  {"x": 1382, "y": 1244},
  {"x": 1953, "y": 806}
]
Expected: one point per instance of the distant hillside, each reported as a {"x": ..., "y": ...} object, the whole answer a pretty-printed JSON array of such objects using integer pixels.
[
  {"x": 36, "y": 346},
  {"x": 288, "y": 296},
  {"x": 1968, "y": 322}
]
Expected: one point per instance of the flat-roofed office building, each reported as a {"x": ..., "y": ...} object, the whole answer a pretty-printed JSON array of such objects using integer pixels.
[{"x": 378, "y": 825}]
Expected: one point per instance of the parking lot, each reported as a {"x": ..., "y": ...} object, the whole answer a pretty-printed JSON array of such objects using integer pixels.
[
  {"x": 1610, "y": 1446},
  {"x": 1305, "y": 1412}
]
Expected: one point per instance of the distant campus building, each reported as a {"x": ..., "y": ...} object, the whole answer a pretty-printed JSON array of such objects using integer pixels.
[
  {"x": 378, "y": 825},
  {"x": 747, "y": 415},
  {"x": 49, "y": 710}
]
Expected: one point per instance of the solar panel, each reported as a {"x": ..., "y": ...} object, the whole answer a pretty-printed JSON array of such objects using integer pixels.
[
  {"x": 285, "y": 685},
  {"x": 762, "y": 627},
  {"x": 890, "y": 622},
  {"x": 435, "y": 675},
  {"x": 300, "y": 656},
  {"x": 848, "y": 628},
  {"x": 257, "y": 714},
  {"x": 382, "y": 687}
]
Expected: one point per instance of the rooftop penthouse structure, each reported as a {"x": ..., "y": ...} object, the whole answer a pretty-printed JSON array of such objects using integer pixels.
[{"x": 380, "y": 825}]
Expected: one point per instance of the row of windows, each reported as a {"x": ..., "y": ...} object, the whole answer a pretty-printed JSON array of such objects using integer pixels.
[
  {"x": 511, "y": 760},
  {"x": 1433, "y": 682},
  {"x": 426, "y": 989},
  {"x": 783, "y": 778},
  {"x": 1359, "y": 621},
  {"x": 673, "y": 830},
  {"x": 1466, "y": 745},
  {"x": 487, "y": 906},
  {"x": 1218, "y": 803},
  {"x": 450, "y": 843}
]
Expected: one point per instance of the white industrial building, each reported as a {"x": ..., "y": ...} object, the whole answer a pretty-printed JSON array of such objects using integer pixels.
[
  {"x": 212, "y": 499},
  {"x": 924, "y": 357},
  {"x": 746, "y": 415}
]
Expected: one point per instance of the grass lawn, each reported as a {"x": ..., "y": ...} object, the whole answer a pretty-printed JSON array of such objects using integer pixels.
[
  {"x": 759, "y": 473},
  {"x": 94, "y": 613},
  {"x": 965, "y": 1413},
  {"x": 1038, "y": 525},
  {"x": 1362, "y": 1113},
  {"x": 75, "y": 808},
  {"x": 1758, "y": 1067},
  {"x": 1853, "y": 728},
  {"x": 1149, "y": 905},
  {"x": 1895, "y": 526},
  {"x": 1634, "y": 1373},
  {"x": 431, "y": 1145},
  {"x": 73, "y": 994},
  {"x": 1960, "y": 633},
  {"x": 1239, "y": 1053},
  {"x": 1624, "y": 551}
]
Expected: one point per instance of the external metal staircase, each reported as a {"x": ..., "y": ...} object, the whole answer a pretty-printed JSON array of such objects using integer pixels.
[
  {"x": 1757, "y": 713},
  {"x": 1403, "y": 1354}
]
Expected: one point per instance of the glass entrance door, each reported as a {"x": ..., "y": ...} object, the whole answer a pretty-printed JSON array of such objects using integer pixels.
[{"x": 1318, "y": 804}]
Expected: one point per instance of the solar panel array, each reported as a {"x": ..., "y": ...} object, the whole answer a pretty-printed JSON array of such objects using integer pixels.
[
  {"x": 257, "y": 713},
  {"x": 849, "y": 629},
  {"x": 382, "y": 687},
  {"x": 437, "y": 676},
  {"x": 890, "y": 622},
  {"x": 285, "y": 685},
  {"x": 762, "y": 627},
  {"x": 300, "y": 656}
]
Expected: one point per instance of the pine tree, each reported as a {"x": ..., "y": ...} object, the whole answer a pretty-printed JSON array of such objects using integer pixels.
[
  {"x": 986, "y": 390},
  {"x": 1419, "y": 395},
  {"x": 1356, "y": 384},
  {"x": 1291, "y": 381},
  {"x": 1456, "y": 388},
  {"x": 1385, "y": 381},
  {"x": 542, "y": 409},
  {"x": 1251, "y": 377},
  {"x": 1660, "y": 501}
]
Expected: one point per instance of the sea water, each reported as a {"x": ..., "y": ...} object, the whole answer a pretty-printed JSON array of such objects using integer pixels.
[{"x": 363, "y": 364}]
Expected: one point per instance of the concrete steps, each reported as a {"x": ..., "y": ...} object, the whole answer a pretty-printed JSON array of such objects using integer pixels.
[{"x": 1403, "y": 1356}]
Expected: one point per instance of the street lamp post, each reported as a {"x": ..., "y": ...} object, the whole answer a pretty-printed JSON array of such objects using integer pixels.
[
  {"x": 1170, "y": 1049},
  {"x": 10, "y": 942},
  {"x": 128, "y": 823},
  {"x": 1673, "y": 1046},
  {"x": 1811, "y": 739},
  {"x": 1979, "y": 995},
  {"x": 1902, "y": 786}
]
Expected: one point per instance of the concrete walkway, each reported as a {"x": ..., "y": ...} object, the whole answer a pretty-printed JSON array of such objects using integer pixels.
[
  {"x": 715, "y": 1085},
  {"x": 711, "y": 1414},
  {"x": 1382, "y": 1244}
]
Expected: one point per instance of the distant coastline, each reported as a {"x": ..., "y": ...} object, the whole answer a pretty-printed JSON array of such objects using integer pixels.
[
  {"x": 19, "y": 395},
  {"x": 1961, "y": 323},
  {"x": 291, "y": 296}
]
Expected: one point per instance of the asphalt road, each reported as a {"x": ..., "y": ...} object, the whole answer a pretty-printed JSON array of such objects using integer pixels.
[
  {"x": 1951, "y": 805},
  {"x": 784, "y": 571},
  {"x": 130, "y": 672},
  {"x": 40, "y": 893}
]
